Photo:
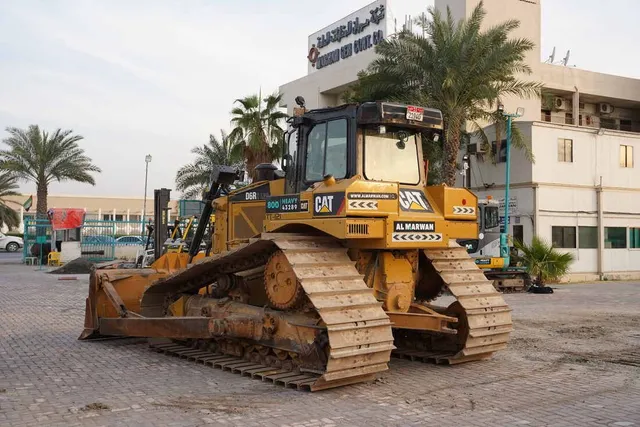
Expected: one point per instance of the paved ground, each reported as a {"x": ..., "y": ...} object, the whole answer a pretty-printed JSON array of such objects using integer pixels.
[
  {"x": 10, "y": 257},
  {"x": 574, "y": 361}
]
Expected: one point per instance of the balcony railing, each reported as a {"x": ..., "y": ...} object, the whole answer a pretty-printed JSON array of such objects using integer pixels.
[{"x": 595, "y": 122}]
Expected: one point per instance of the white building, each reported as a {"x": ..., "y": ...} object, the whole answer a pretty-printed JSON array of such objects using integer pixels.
[{"x": 583, "y": 191}]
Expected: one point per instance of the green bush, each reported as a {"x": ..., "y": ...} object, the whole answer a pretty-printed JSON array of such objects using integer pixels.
[{"x": 543, "y": 261}]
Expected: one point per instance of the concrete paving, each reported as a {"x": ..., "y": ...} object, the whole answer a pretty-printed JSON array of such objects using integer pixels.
[{"x": 574, "y": 360}]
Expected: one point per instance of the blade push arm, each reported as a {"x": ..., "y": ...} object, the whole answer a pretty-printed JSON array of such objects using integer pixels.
[{"x": 221, "y": 175}]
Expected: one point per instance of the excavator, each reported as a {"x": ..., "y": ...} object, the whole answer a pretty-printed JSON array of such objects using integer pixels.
[
  {"x": 322, "y": 271},
  {"x": 486, "y": 251}
]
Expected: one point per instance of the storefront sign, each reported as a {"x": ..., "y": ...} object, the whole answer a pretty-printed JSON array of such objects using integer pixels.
[
  {"x": 513, "y": 205},
  {"x": 352, "y": 35}
]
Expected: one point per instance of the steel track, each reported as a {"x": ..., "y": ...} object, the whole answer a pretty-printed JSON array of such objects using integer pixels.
[{"x": 360, "y": 339}]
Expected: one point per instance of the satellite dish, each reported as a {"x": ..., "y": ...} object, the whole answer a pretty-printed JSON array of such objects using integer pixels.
[
  {"x": 565, "y": 61},
  {"x": 552, "y": 57}
]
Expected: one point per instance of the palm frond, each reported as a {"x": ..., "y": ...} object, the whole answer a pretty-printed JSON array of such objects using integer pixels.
[
  {"x": 8, "y": 216},
  {"x": 258, "y": 126},
  {"x": 460, "y": 68},
  {"x": 192, "y": 178},
  {"x": 44, "y": 157}
]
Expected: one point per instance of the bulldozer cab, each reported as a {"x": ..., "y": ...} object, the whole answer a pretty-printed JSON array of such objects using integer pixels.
[{"x": 379, "y": 141}]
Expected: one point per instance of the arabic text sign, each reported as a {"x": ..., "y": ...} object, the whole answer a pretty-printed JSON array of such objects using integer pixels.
[{"x": 356, "y": 33}]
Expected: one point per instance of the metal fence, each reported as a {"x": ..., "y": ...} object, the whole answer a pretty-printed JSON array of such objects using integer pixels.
[{"x": 100, "y": 240}]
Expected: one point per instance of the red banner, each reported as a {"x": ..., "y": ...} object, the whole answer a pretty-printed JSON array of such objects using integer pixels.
[{"x": 65, "y": 219}]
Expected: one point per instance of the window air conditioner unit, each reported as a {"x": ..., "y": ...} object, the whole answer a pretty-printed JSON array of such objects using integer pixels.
[
  {"x": 560, "y": 103},
  {"x": 604, "y": 108}
]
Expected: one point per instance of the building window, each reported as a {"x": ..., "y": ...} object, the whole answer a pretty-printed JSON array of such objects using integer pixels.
[
  {"x": 518, "y": 233},
  {"x": 119, "y": 217},
  {"x": 563, "y": 237},
  {"x": 546, "y": 115},
  {"x": 615, "y": 237},
  {"x": 634, "y": 238},
  {"x": 565, "y": 150},
  {"x": 502, "y": 158},
  {"x": 626, "y": 156},
  {"x": 568, "y": 118},
  {"x": 608, "y": 123},
  {"x": 588, "y": 237}
]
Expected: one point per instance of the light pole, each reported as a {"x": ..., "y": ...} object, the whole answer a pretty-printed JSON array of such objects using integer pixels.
[
  {"x": 505, "y": 253},
  {"x": 147, "y": 160}
]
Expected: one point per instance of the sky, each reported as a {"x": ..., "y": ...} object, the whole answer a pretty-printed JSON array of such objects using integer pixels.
[{"x": 158, "y": 76}]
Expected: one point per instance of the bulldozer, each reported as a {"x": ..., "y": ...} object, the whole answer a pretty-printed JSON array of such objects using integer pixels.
[{"x": 320, "y": 271}]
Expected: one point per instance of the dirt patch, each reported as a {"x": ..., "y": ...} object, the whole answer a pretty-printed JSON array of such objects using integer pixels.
[
  {"x": 227, "y": 404},
  {"x": 579, "y": 359},
  {"x": 76, "y": 266},
  {"x": 3, "y": 390},
  {"x": 594, "y": 331},
  {"x": 95, "y": 406},
  {"x": 523, "y": 343}
]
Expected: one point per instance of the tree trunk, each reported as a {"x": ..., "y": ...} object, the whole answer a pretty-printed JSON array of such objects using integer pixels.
[
  {"x": 265, "y": 153},
  {"x": 250, "y": 162},
  {"x": 451, "y": 150},
  {"x": 41, "y": 205}
]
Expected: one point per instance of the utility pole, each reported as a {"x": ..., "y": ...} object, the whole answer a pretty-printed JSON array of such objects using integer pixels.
[{"x": 505, "y": 252}]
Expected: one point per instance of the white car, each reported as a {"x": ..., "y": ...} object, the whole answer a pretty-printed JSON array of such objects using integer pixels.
[
  {"x": 10, "y": 243},
  {"x": 130, "y": 240}
]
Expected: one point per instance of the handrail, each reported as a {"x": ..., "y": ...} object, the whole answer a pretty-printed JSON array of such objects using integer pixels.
[{"x": 594, "y": 121}]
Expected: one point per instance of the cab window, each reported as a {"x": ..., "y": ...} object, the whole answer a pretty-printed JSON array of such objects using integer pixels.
[
  {"x": 327, "y": 151},
  {"x": 491, "y": 217}
]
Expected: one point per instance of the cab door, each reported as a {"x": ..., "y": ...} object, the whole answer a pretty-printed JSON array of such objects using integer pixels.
[{"x": 325, "y": 144}]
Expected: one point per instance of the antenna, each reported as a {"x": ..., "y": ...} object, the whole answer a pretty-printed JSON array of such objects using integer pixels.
[
  {"x": 565, "y": 61},
  {"x": 408, "y": 25},
  {"x": 552, "y": 57}
]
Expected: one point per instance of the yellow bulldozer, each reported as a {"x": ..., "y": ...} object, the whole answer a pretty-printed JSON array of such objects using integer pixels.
[{"x": 323, "y": 270}]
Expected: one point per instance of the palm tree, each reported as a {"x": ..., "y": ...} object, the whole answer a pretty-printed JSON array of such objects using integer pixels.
[
  {"x": 192, "y": 179},
  {"x": 8, "y": 216},
  {"x": 43, "y": 158},
  {"x": 499, "y": 123},
  {"x": 258, "y": 129},
  {"x": 543, "y": 261},
  {"x": 454, "y": 67}
]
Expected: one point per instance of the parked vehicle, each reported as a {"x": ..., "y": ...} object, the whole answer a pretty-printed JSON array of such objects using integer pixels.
[
  {"x": 98, "y": 240},
  {"x": 130, "y": 240},
  {"x": 10, "y": 243}
]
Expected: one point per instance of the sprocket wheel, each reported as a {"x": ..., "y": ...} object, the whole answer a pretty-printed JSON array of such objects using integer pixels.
[
  {"x": 430, "y": 285},
  {"x": 282, "y": 287}
]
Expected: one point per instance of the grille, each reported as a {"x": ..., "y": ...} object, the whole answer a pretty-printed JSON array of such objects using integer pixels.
[{"x": 358, "y": 228}]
